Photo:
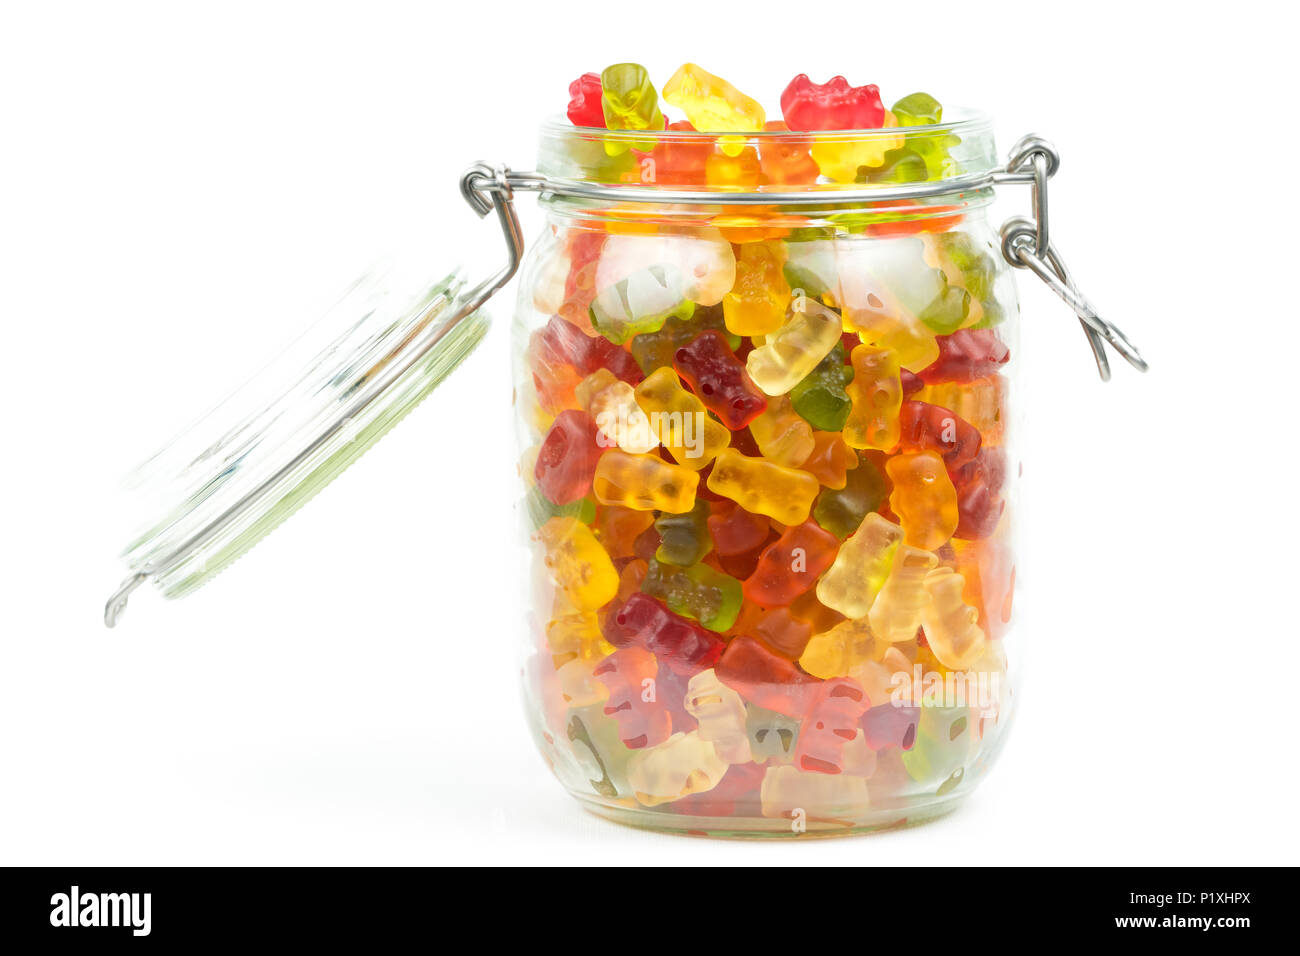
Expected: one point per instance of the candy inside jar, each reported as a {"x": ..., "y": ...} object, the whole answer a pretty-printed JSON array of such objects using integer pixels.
[{"x": 770, "y": 491}]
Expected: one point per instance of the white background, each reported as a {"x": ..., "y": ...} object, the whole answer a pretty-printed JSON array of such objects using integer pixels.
[{"x": 183, "y": 185}]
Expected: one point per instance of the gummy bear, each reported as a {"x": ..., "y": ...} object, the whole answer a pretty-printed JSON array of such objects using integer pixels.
[
  {"x": 787, "y": 790},
  {"x": 699, "y": 591},
  {"x": 836, "y": 707},
  {"x": 584, "y": 101},
  {"x": 839, "y": 652},
  {"x": 949, "y": 622},
  {"x": 684, "y": 539},
  {"x": 737, "y": 531},
  {"x": 567, "y": 459},
  {"x": 841, "y": 510},
  {"x": 923, "y": 498},
  {"x": 617, "y": 528},
  {"x": 979, "y": 504},
  {"x": 578, "y": 564},
  {"x": 643, "y": 482},
  {"x": 877, "y": 395},
  {"x": 966, "y": 355},
  {"x": 764, "y": 678},
  {"x": 714, "y": 373},
  {"x": 833, "y": 105},
  {"x": 679, "y": 420},
  {"x": 820, "y": 397},
  {"x": 790, "y": 353},
  {"x": 721, "y": 716},
  {"x": 630, "y": 675},
  {"x": 757, "y": 303},
  {"x": 611, "y": 403},
  {"x": 861, "y": 567},
  {"x": 643, "y": 622},
  {"x": 713, "y": 105},
  {"x": 680, "y": 766},
  {"x": 782, "y": 632},
  {"x": 830, "y": 460},
  {"x": 772, "y": 736},
  {"x": 791, "y": 565},
  {"x": 655, "y": 350},
  {"x": 785, "y": 160},
  {"x": 926, "y": 427},
  {"x": 678, "y": 160},
  {"x": 781, "y": 435},
  {"x": 629, "y": 101},
  {"x": 896, "y": 612},
  {"x": 761, "y": 486}
]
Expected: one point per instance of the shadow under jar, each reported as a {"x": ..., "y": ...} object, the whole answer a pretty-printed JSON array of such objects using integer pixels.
[{"x": 769, "y": 486}]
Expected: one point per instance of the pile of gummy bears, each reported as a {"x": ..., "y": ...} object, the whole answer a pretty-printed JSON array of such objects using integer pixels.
[{"x": 769, "y": 482}]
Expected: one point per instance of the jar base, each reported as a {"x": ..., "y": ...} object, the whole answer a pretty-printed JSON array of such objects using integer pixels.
[{"x": 769, "y": 828}]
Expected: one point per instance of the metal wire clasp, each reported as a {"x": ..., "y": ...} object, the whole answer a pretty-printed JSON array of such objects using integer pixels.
[{"x": 1027, "y": 244}]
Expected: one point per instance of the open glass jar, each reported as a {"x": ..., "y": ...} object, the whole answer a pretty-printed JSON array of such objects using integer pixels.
[
  {"x": 768, "y": 451},
  {"x": 764, "y": 386}
]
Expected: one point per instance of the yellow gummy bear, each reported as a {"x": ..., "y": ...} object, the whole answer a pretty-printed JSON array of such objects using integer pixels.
[
  {"x": 763, "y": 487},
  {"x": 840, "y": 156},
  {"x": 721, "y": 715},
  {"x": 680, "y": 421},
  {"x": 795, "y": 349},
  {"x": 712, "y": 105},
  {"x": 949, "y": 622},
  {"x": 757, "y": 302},
  {"x": 896, "y": 613},
  {"x": 680, "y": 766},
  {"x": 578, "y": 564},
  {"x": 644, "y": 483},
  {"x": 781, "y": 433},
  {"x": 877, "y": 395},
  {"x": 861, "y": 567}
]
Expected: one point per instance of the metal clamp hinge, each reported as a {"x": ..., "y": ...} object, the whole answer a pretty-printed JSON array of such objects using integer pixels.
[{"x": 1027, "y": 244}]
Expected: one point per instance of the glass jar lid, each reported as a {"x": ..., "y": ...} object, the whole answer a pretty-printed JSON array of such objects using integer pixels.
[{"x": 222, "y": 485}]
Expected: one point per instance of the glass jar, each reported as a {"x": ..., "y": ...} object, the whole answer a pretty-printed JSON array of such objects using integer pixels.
[{"x": 770, "y": 473}]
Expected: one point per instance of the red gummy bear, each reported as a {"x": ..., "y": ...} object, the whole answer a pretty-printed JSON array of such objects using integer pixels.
[
  {"x": 718, "y": 378},
  {"x": 678, "y": 160},
  {"x": 765, "y": 678},
  {"x": 832, "y": 105},
  {"x": 584, "y": 101},
  {"x": 566, "y": 462},
  {"x": 979, "y": 501},
  {"x": 833, "y": 720},
  {"x": 791, "y": 565},
  {"x": 926, "y": 427},
  {"x": 683, "y": 645},
  {"x": 966, "y": 355},
  {"x": 643, "y": 718}
]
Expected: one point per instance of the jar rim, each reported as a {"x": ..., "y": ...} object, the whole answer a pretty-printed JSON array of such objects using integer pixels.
[
  {"x": 967, "y": 120},
  {"x": 676, "y": 159}
]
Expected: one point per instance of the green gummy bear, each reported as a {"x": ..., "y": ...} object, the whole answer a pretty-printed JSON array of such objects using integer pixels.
[
  {"x": 697, "y": 592},
  {"x": 642, "y": 302},
  {"x": 655, "y": 350},
  {"x": 917, "y": 109},
  {"x": 944, "y": 744},
  {"x": 684, "y": 539},
  {"x": 811, "y": 266},
  {"x": 948, "y": 310},
  {"x": 629, "y": 101},
  {"x": 820, "y": 398},
  {"x": 840, "y": 511},
  {"x": 541, "y": 510},
  {"x": 978, "y": 270}
]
